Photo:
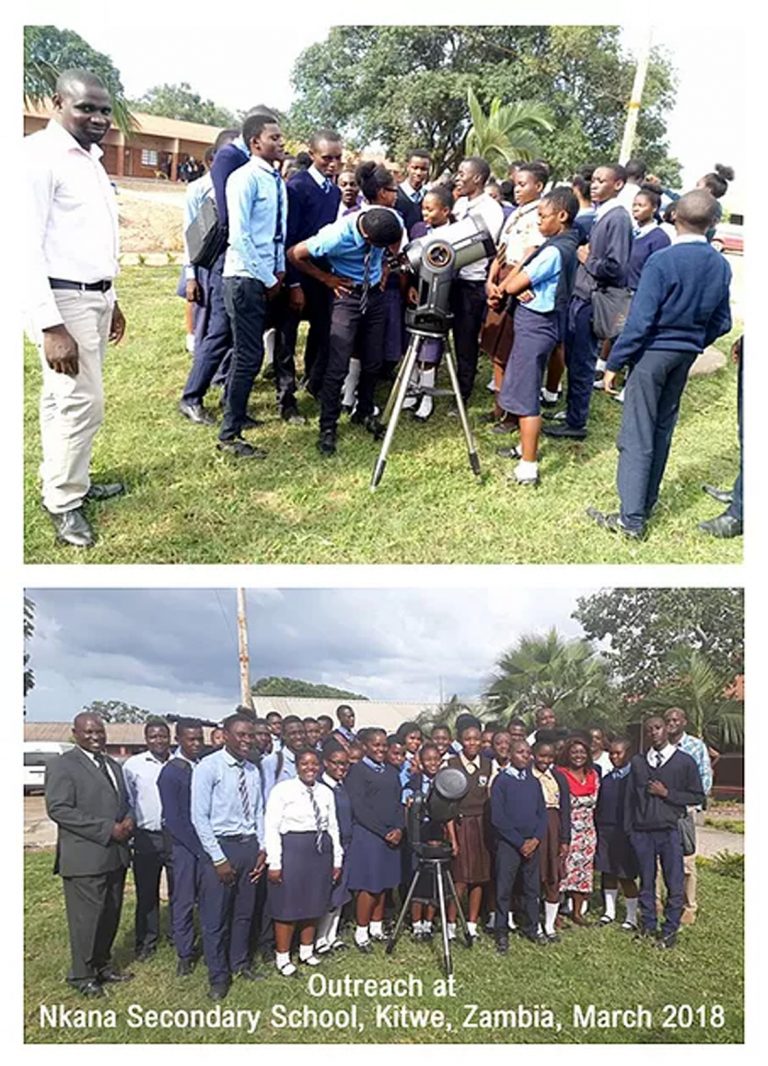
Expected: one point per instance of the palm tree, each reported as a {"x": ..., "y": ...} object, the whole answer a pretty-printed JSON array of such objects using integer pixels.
[
  {"x": 507, "y": 132},
  {"x": 548, "y": 671},
  {"x": 700, "y": 690},
  {"x": 446, "y": 714}
]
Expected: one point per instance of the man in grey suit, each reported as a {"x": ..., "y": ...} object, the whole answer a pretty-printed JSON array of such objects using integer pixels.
[{"x": 86, "y": 797}]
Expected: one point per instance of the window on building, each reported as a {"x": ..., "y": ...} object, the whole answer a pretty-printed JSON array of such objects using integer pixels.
[{"x": 148, "y": 157}]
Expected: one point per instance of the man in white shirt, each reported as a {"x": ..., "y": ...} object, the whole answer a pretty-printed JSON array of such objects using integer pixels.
[
  {"x": 70, "y": 301},
  {"x": 468, "y": 297}
]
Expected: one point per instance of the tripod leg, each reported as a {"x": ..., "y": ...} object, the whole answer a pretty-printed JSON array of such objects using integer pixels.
[
  {"x": 474, "y": 462},
  {"x": 459, "y": 910},
  {"x": 395, "y": 406},
  {"x": 401, "y": 916},
  {"x": 447, "y": 962}
]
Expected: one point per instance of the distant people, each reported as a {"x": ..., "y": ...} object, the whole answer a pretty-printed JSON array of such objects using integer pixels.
[
  {"x": 716, "y": 183},
  {"x": 682, "y": 305},
  {"x": 545, "y": 718},
  {"x": 636, "y": 170},
  {"x": 85, "y": 795},
  {"x": 345, "y": 730},
  {"x": 411, "y": 192},
  {"x": 70, "y": 305}
]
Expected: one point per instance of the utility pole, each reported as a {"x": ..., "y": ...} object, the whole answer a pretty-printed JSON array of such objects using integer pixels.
[
  {"x": 633, "y": 110},
  {"x": 246, "y": 697}
]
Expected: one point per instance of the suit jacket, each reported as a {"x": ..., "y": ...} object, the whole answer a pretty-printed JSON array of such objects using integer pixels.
[{"x": 84, "y": 806}]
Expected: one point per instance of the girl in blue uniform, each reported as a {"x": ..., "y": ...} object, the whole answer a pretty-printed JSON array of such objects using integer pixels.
[{"x": 335, "y": 769}]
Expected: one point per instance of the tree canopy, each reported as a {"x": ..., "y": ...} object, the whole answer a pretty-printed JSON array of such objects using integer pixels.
[
  {"x": 291, "y": 686},
  {"x": 117, "y": 711},
  {"x": 406, "y": 87},
  {"x": 642, "y": 627},
  {"x": 181, "y": 102}
]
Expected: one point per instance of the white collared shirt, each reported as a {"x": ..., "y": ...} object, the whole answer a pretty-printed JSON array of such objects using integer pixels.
[
  {"x": 610, "y": 205},
  {"x": 409, "y": 191},
  {"x": 289, "y": 810},
  {"x": 666, "y": 754},
  {"x": 521, "y": 232},
  {"x": 71, "y": 219},
  {"x": 690, "y": 238},
  {"x": 141, "y": 773},
  {"x": 319, "y": 178},
  {"x": 492, "y": 215}
]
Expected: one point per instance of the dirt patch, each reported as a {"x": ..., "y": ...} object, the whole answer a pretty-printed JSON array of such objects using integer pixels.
[{"x": 150, "y": 225}]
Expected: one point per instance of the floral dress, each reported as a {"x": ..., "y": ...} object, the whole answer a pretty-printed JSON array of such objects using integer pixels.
[{"x": 580, "y": 861}]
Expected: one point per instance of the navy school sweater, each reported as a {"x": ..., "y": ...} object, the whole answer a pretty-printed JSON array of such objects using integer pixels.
[
  {"x": 518, "y": 811},
  {"x": 228, "y": 159},
  {"x": 644, "y": 812},
  {"x": 610, "y": 244},
  {"x": 174, "y": 784},
  {"x": 309, "y": 209},
  {"x": 375, "y": 798},
  {"x": 682, "y": 303}
]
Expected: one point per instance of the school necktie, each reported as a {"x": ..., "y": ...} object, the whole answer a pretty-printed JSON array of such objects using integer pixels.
[
  {"x": 327, "y": 185},
  {"x": 658, "y": 759},
  {"x": 101, "y": 762},
  {"x": 242, "y": 788},
  {"x": 366, "y": 280},
  {"x": 278, "y": 239},
  {"x": 417, "y": 196},
  {"x": 318, "y": 820}
]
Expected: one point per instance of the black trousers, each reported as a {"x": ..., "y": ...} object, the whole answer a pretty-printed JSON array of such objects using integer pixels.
[
  {"x": 93, "y": 904},
  {"x": 508, "y": 862},
  {"x": 318, "y": 303},
  {"x": 353, "y": 334},
  {"x": 246, "y": 303},
  {"x": 468, "y": 304},
  {"x": 150, "y": 855}
]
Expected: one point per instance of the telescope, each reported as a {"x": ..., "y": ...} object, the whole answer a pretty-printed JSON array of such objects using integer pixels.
[
  {"x": 436, "y": 259},
  {"x": 440, "y": 805}
]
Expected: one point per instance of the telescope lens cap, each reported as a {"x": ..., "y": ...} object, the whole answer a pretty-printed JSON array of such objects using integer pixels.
[{"x": 451, "y": 784}]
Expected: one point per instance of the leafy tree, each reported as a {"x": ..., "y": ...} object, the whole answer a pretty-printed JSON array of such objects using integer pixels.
[
  {"x": 117, "y": 711},
  {"x": 48, "y": 51},
  {"x": 29, "y": 632},
  {"x": 642, "y": 626},
  {"x": 506, "y": 133},
  {"x": 406, "y": 86},
  {"x": 446, "y": 713},
  {"x": 567, "y": 675},
  {"x": 181, "y": 102},
  {"x": 700, "y": 690},
  {"x": 290, "y": 686}
]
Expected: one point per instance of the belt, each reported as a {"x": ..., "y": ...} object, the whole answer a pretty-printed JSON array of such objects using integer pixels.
[
  {"x": 82, "y": 286},
  {"x": 242, "y": 837}
]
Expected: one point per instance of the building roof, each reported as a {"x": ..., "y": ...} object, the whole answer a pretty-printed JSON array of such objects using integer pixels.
[{"x": 154, "y": 125}]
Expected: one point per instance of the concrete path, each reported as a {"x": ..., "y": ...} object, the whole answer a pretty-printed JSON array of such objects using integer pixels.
[{"x": 710, "y": 841}]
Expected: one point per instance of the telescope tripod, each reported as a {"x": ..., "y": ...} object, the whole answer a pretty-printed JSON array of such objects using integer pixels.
[
  {"x": 400, "y": 388},
  {"x": 441, "y": 873}
]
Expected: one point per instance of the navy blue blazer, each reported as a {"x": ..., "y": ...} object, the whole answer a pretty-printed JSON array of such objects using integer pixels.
[{"x": 174, "y": 784}]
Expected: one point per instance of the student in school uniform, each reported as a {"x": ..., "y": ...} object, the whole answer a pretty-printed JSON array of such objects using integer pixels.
[
  {"x": 519, "y": 817},
  {"x": 662, "y": 784},
  {"x": 647, "y": 235},
  {"x": 603, "y": 264},
  {"x": 335, "y": 768},
  {"x": 682, "y": 304},
  {"x": 396, "y": 753},
  {"x": 601, "y": 758},
  {"x": 430, "y": 832},
  {"x": 557, "y": 837},
  {"x": 575, "y": 764},
  {"x": 412, "y": 192},
  {"x": 351, "y": 200},
  {"x": 500, "y": 751},
  {"x": 326, "y": 726},
  {"x": 312, "y": 732},
  {"x": 304, "y": 857},
  {"x": 543, "y": 285},
  {"x": 354, "y": 247},
  {"x": 281, "y": 765},
  {"x": 442, "y": 738},
  {"x": 471, "y": 868},
  {"x": 174, "y": 783},
  {"x": 544, "y": 718},
  {"x": 616, "y": 860},
  {"x": 410, "y": 736},
  {"x": 275, "y": 723},
  {"x": 377, "y": 831},
  {"x": 345, "y": 730},
  {"x": 379, "y": 189},
  {"x": 585, "y": 216}
]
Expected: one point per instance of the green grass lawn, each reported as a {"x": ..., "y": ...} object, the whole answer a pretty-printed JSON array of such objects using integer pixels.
[
  {"x": 603, "y": 967},
  {"x": 189, "y": 504}
]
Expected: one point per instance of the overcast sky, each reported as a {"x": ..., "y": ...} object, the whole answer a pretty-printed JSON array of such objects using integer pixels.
[
  {"x": 175, "y": 650},
  {"x": 253, "y": 63}
]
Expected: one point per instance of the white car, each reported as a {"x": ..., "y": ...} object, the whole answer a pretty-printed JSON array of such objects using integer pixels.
[{"x": 37, "y": 755}]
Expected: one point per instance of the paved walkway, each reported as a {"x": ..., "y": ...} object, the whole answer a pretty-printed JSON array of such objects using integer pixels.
[{"x": 710, "y": 841}]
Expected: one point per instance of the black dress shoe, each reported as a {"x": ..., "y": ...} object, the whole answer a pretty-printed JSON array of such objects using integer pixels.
[
  {"x": 612, "y": 522},
  {"x": 565, "y": 432},
  {"x": 251, "y": 423},
  {"x": 184, "y": 967},
  {"x": 292, "y": 417},
  {"x": 326, "y": 443},
  {"x": 502, "y": 944},
  {"x": 241, "y": 448},
  {"x": 105, "y": 492},
  {"x": 218, "y": 992},
  {"x": 247, "y": 974},
  {"x": 666, "y": 942},
  {"x": 643, "y": 933},
  {"x": 195, "y": 412},
  {"x": 365, "y": 948},
  {"x": 73, "y": 528},
  {"x": 144, "y": 954},
  {"x": 721, "y": 495},
  {"x": 724, "y": 526},
  {"x": 91, "y": 989},
  {"x": 369, "y": 423},
  {"x": 110, "y": 976},
  {"x": 507, "y": 425}
]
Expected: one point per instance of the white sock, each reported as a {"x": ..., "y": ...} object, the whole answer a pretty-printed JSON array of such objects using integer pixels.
[
  {"x": 414, "y": 383},
  {"x": 306, "y": 951},
  {"x": 190, "y": 343},
  {"x": 426, "y": 926},
  {"x": 323, "y": 929},
  {"x": 333, "y": 932},
  {"x": 361, "y": 934},
  {"x": 600, "y": 365},
  {"x": 526, "y": 470},
  {"x": 451, "y": 930},
  {"x": 350, "y": 383},
  {"x": 269, "y": 346},
  {"x": 427, "y": 402},
  {"x": 377, "y": 929},
  {"x": 631, "y": 910},
  {"x": 472, "y": 928},
  {"x": 550, "y": 914},
  {"x": 511, "y": 920},
  {"x": 491, "y": 920},
  {"x": 282, "y": 958},
  {"x": 610, "y": 901},
  {"x": 418, "y": 927},
  {"x": 539, "y": 930},
  {"x": 620, "y": 397},
  {"x": 550, "y": 397}
]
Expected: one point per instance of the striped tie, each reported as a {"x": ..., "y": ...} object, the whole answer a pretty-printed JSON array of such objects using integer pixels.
[
  {"x": 242, "y": 788},
  {"x": 366, "y": 280},
  {"x": 318, "y": 819}
]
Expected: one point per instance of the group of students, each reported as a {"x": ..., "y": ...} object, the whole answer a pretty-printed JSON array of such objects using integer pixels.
[
  {"x": 574, "y": 286},
  {"x": 283, "y": 829}
]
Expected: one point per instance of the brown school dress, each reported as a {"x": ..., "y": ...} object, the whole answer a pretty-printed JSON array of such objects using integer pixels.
[{"x": 472, "y": 866}]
